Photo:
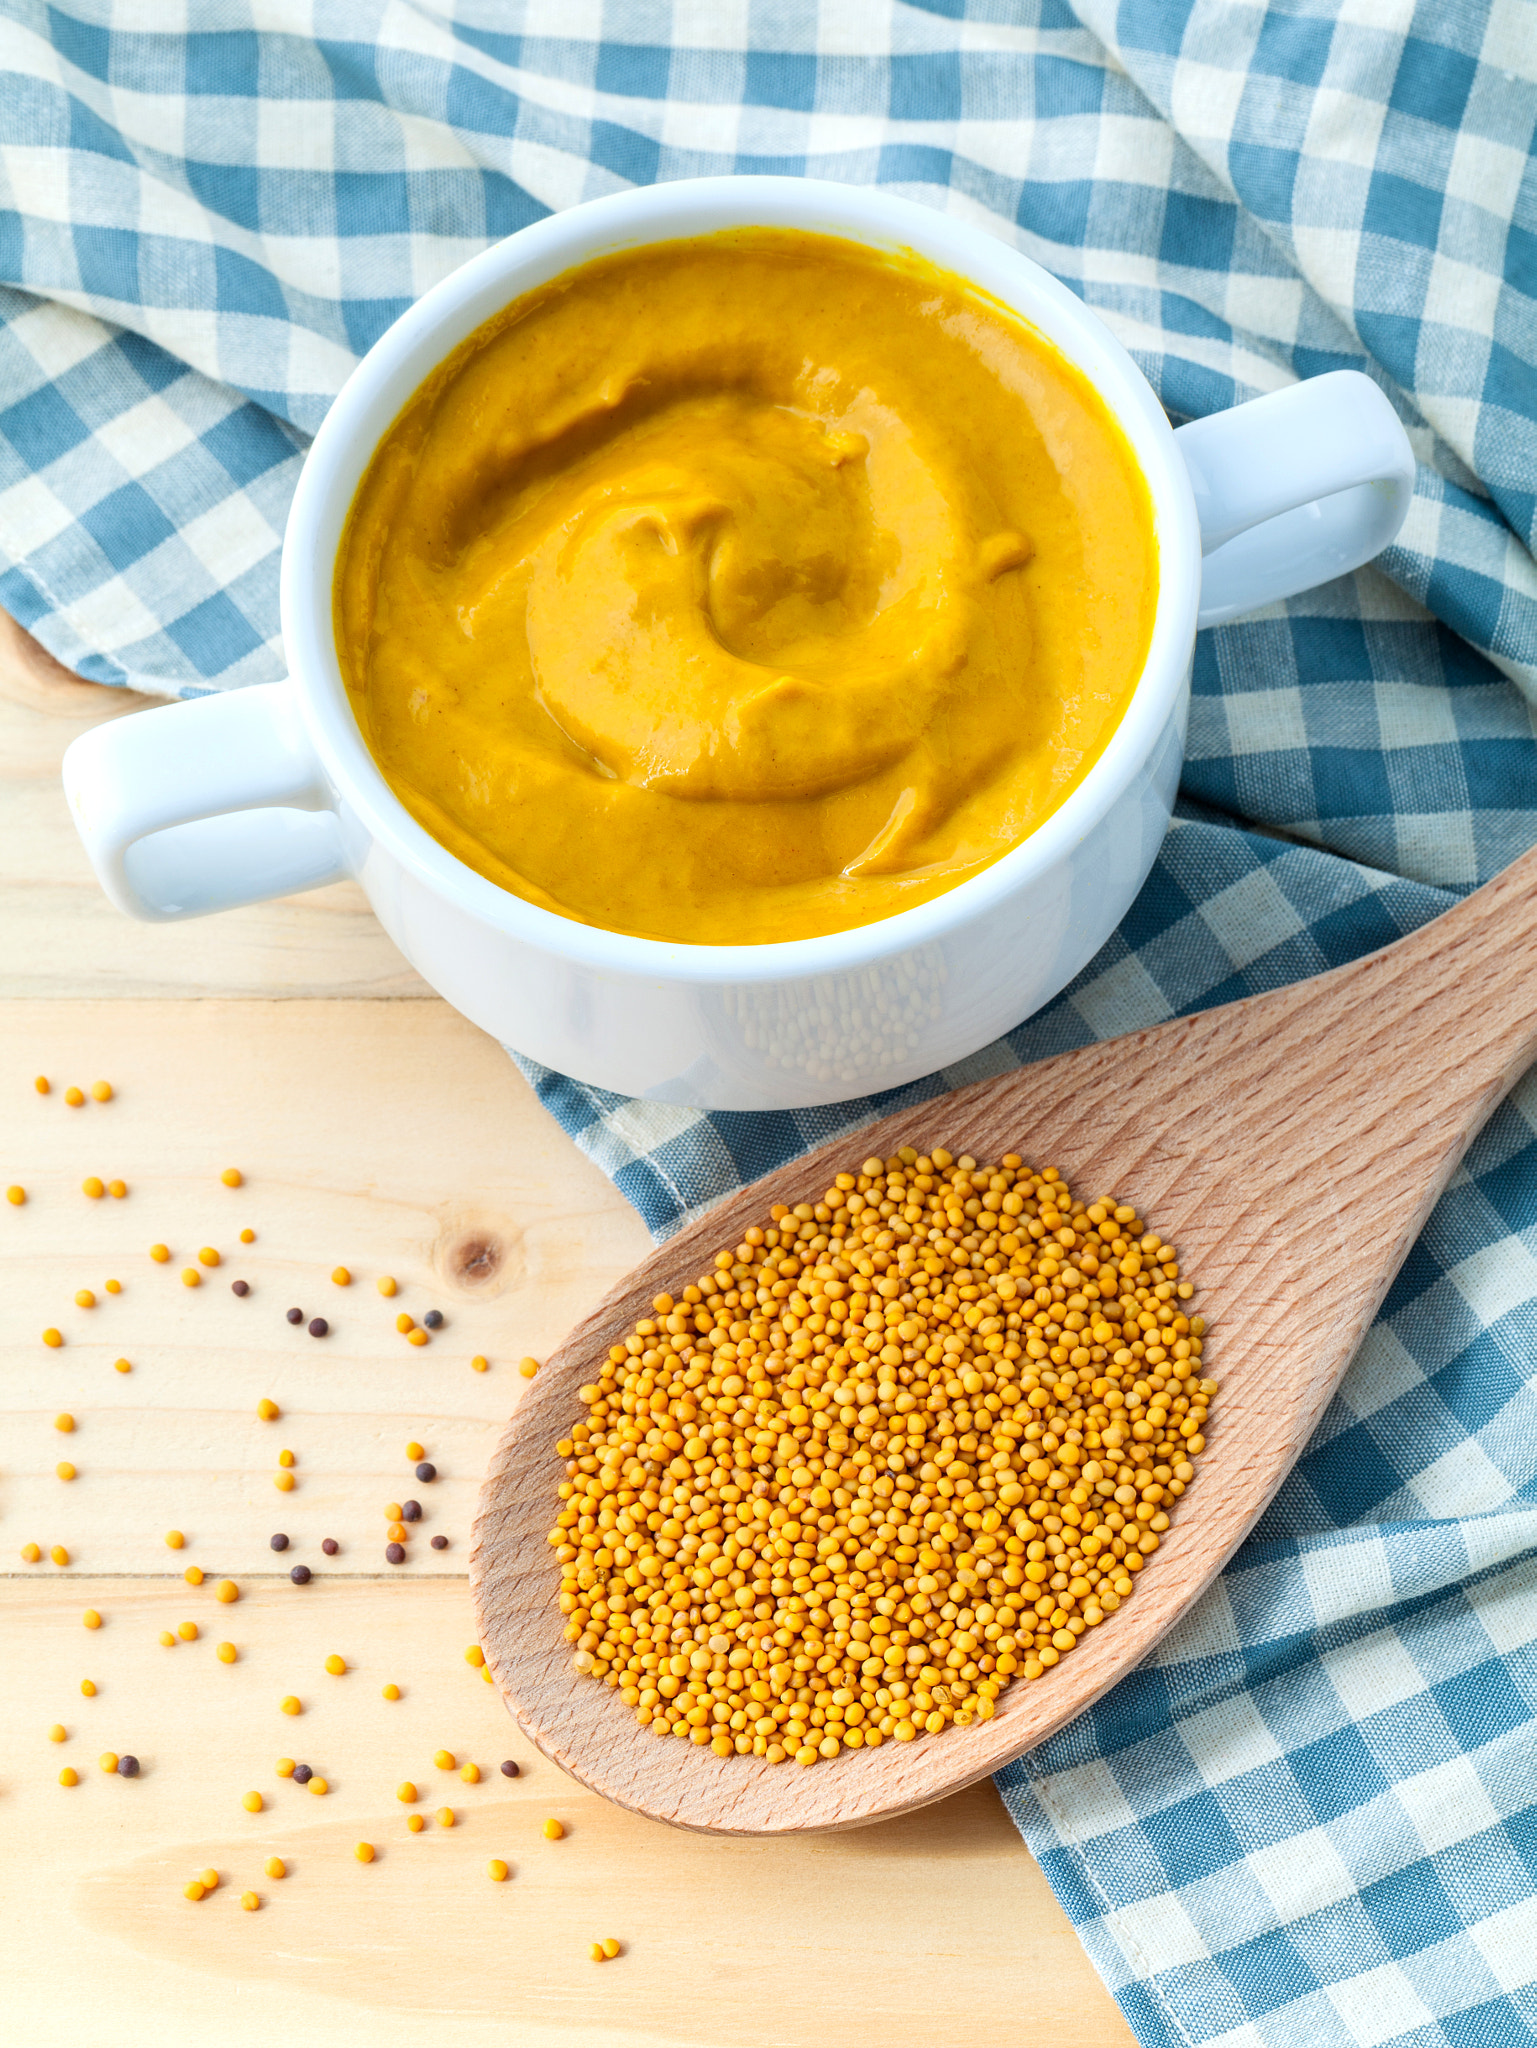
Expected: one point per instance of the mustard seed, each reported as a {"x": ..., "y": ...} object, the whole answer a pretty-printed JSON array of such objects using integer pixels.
[
  {"x": 497, "y": 1870},
  {"x": 73, "y": 1097},
  {"x": 275, "y": 1867},
  {"x": 445, "y": 1760},
  {"x": 65, "y": 1469},
  {"x": 283, "y": 1481},
  {"x": 113, "y": 1286},
  {"x": 57, "y": 1732},
  {"x": 391, "y": 1692},
  {"x": 174, "y": 1539},
  {"x": 440, "y": 1543},
  {"x": 319, "y": 1326},
  {"x": 226, "y": 1590},
  {"x": 187, "y": 1630},
  {"x": 240, "y": 1287},
  {"x": 329, "y": 1545},
  {"x": 285, "y": 1767},
  {"x": 553, "y": 1831},
  {"x": 232, "y": 1177},
  {"x": 193, "y": 1575},
  {"x": 93, "y": 1187},
  {"x": 52, "y": 1339},
  {"x": 415, "y": 1451},
  {"x": 167, "y": 1640},
  {"x": 415, "y": 1823},
  {"x": 208, "y": 1256},
  {"x": 395, "y": 1553},
  {"x": 16, "y": 1195},
  {"x": 59, "y": 1554},
  {"x": 445, "y": 1816},
  {"x": 296, "y": 1315},
  {"x": 611, "y": 1948},
  {"x": 84, "y": 1298},
  {"x": 160, "y": 1253},
  {"x": 480, "y": 1364},
  {"x": 88, "y": 1688},
  {"x": 385, "y": 1284},
  {"x": 528, "y": 1367},
  {"x": 289, "y": 1705},
  {"x": 364, "y": 1852},
  {"x": 117, "y": 1189},
  {"x": 470, "y": 1773},
  {"x": 417, "y": 1337},
  {"x": 191, "y": 1277},
  {"x": 42, "y": 1084},
  {"x": 406, "y": 1792},
  {"x": 285, "y": 1458},
  {"x": 122, "y": 1365},
  {"x": 65, "y": 1423},
  {"x": 433, "y": 1319},
  {"x": 30, "y": 1553},
  {"x": 278, "y": 1542},
  {"x": 336, "y": 1665},
  {"x": 193, "y": 1891},
  {"x": 319, "y": 1787},
  {"x": 300, "y": 1575},
  {"x": 128, "y": 1766},
  {"x": 248, "y": 1237},
  {"x": 269, "y": 1411},
  {"x": 91, "y": 1618},
  {"x": 341, "y": 1276},
  {"x": 302, "y": 1774},
  {"x": 226, "y": 1653},
  {"x": 410, "y": 1511},
  {"x": 253, "y": 1802},
  {"x": 102, "y": 1090},
  {"x": 426, "y": 1473},
  {"x": 108, "y": 1761},
  {"x": 250, "y": 1901}
]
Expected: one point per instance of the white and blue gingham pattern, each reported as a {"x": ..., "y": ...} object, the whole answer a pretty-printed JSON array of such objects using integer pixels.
[{"x": 1312, "y": 1817}]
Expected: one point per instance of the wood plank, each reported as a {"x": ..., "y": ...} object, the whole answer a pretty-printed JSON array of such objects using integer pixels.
[{"x": 920, "y": 1934}]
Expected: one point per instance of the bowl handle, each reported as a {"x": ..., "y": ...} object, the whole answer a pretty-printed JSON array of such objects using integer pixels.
[
  {"x": 204, "y": 805},
  {"x": 1294, "y": 489}
]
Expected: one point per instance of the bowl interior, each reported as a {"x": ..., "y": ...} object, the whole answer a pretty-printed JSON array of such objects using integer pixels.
[{"x": 445, "y": 316}]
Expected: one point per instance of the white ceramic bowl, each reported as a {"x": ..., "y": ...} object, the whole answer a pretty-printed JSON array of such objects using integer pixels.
[{"x": 260, "y": 792}]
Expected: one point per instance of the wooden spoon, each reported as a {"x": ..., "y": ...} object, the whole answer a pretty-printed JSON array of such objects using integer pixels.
[{"x": 1291, "y": 1146}]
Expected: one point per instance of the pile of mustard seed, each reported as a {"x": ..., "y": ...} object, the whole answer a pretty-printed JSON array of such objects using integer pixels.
[{"x": 895, "y": 1449}]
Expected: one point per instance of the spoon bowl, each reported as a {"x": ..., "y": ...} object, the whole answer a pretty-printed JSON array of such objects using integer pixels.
[{"x": 1290, "y": 1146}]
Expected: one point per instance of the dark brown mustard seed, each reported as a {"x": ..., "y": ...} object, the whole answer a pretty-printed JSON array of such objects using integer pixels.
[
  {"x": 302, "y": 1774},
  {"x": 319, "y": 1327},
  {"x": 410, "y": 1510},
  {"x": 296, "y": 1315},
  {"x": 440, "y": 1543},
  {"x": 128, "y": 1766},
  {"x": 329, "y": 1545},
  {"x": 240, "y": 1287},
  {"x": 426, "y": 1474},
  {"x": 280, "y": 1542},
  {"x": 509, "y": 1769},
  {"x": 395, "y": 1552},
  {"x": 300, "y": 1574},
  {"x": 433, "y": 1319}
]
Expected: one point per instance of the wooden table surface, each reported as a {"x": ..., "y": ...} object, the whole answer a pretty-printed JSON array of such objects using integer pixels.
[{"x": 376, "y": 1130}]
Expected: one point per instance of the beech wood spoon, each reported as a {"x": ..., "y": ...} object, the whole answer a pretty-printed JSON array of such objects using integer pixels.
[{"x": 1290, "y": 1146}]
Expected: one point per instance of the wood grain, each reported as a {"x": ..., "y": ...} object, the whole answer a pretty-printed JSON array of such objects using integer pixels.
[{"x": 1291, "y": 1146}]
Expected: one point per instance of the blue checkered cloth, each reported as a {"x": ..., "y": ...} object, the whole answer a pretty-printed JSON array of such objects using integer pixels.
[{"x": 1311, "y": 1818}]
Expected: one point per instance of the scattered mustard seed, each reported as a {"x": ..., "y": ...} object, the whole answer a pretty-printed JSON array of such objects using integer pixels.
[
  {"x": 16, "y": 1195},
  {"x": 497, "y": 1870},
  {"x": 474, "y": 1654},
  {"x": 117, "y": 1189},
  {"x": 57, "y": 1732},
  {"x": 174, "y": 1539},
  {"x": 528, "y": 1367},
  {"x": 416, "y": 1337},
  {"x": 285, "y": 1458},
  {"x": 413, "y": 1452},
  {"x": 88, "y": 1688},
  {"x": 596, "y": 1952},
  {"x": 108, "y": 1761},
  {"x": 187, "y": 1630},
  {"x": 406, "y": 1793},
  {"x": 283, "y": 1481},
  {"x": 250, "y": 1902},
  {"x": 385, "y": 1284},
  {"x": 102, "y": 1090},
  {"x": 610, "y": 1948},
  {"x": 248, "y": 1237},
  {"x": 341, "y": 1276},
  {"x": 193, "y": 1891},
  {"x": 64, "y": 1422},
  {"x": 253, "y": 1802},
  {"x": 42, "y": 1084},
  {"x": 73, "y": 1097},
  {"x": 404, "y": 1322},
  {"x": 68, "y": 1776},
  {"x": 65, "y": 1469},
  {"x": 470, "y": 1773},
  {"x": 53, "y": 1339},
  {"x": 364, "y": 1852},
  {"x": 128, "y": 1766},
  {"x": 226, "y": 1590},
  {"x": 59, "y": 1554},
  {"x": 289, "y": 1705},
  {"x": 193, "y": 1575},
  {"x": 91, "y": 1618},
  {"x": 209, "y": 1880},
  {"x": 445, "y": 1816},
  {"x": 433, "y": 1319},
  {"x": 275, "y": 1867},
  {"x": 285, "y": 1767},
  {"x": 232, "y": 1177},
  {"x": 553, "y": 1831},
  {"x": 168, "y": 1641},
  {"x": 191, "y": 1277},
  {"x": 113, "y": 1286},
  {"x": 446, "y": 1760},
  {"x": 269, "y": 1411},
  {"x": 30, "y": 1553},
  {"x": 226, "y": 1653},
  {"x": 84, "y": 1298},
  {"x": 93, "y": 1187},
  {"x": 208, "y": 1256},
  {"x": 480, "y": 1364},
  {"x": 391, "y": 1692},
  {"x": 160, "y": 1253},
  {"x": 122, "y": 1365},
  {"x": 415, "y": 1823},
  {"x": 336, "y": 1665}
]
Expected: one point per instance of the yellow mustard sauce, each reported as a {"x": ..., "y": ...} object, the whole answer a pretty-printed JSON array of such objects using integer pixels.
[{"x": 744, "y": 589}]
